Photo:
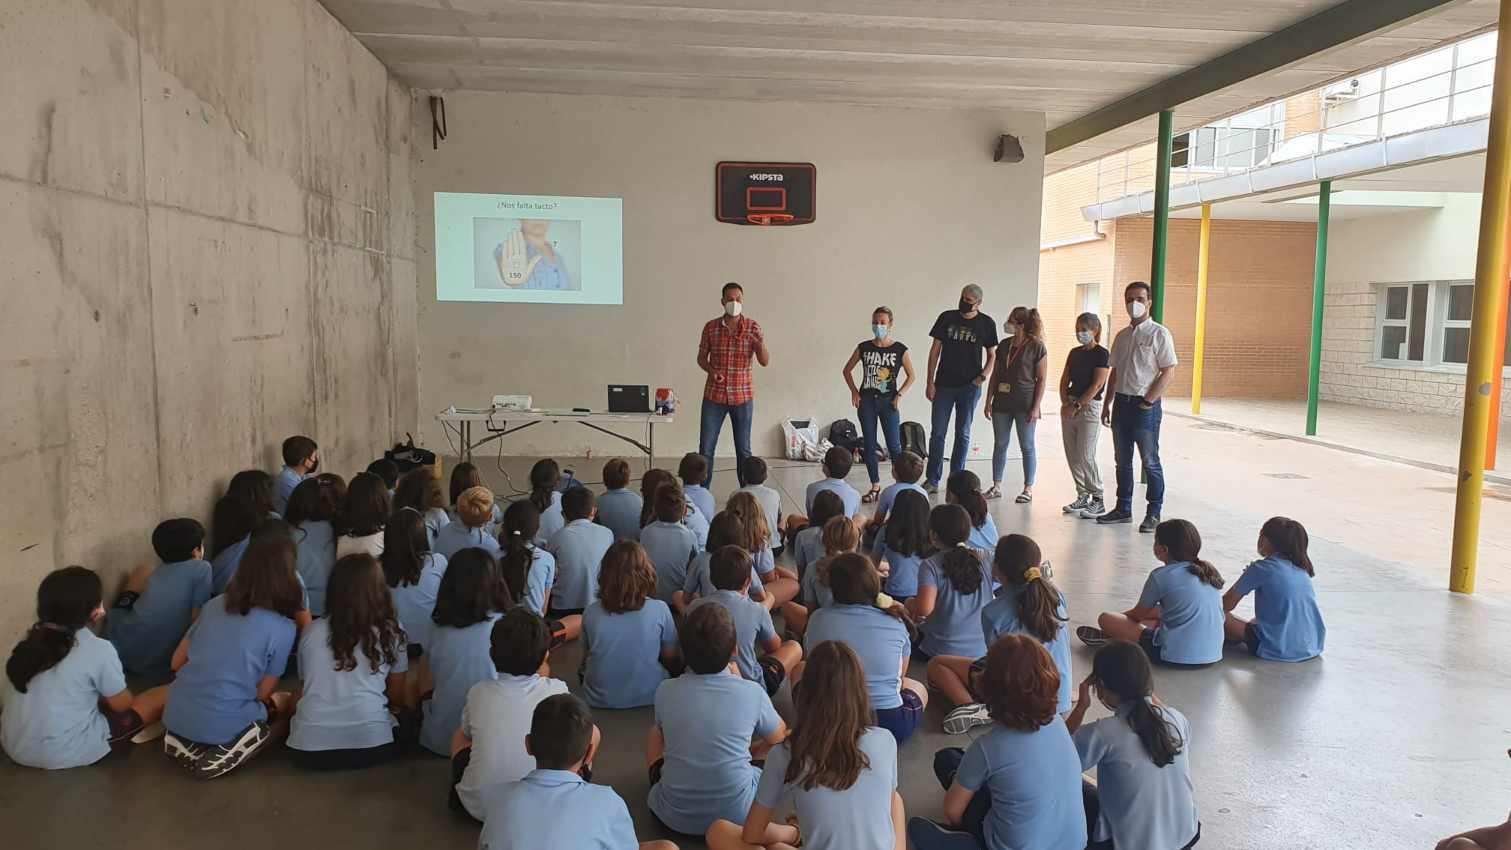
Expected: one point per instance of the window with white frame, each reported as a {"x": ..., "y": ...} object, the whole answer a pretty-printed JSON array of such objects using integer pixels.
[{"x": 1425, "y": 324}]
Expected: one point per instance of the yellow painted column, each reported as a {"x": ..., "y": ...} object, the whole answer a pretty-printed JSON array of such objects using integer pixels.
[
  {"x": 1489, "y": 311},
  {"x": 1202, "y": 254}
]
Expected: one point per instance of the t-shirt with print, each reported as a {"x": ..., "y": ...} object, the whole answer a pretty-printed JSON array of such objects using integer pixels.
[
  {"x": 880, "y": 368},
  {"x": 214, "y": 696},
  {"x": 1015, "y": 376},
  {"x": 963, "y": 344},
  {"x": 1082, "y": 366},
  {"x": 57, "y": 723}
]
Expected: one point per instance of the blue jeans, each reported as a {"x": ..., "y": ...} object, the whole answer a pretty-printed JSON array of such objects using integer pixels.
[
  {"x": 874, "y": 408},
  {"x": 1003, "y": 425},
  {"x": 1133, "y": 427},
  {"x": 708, "y": 434},
  {"x": 962, "y": 402}
]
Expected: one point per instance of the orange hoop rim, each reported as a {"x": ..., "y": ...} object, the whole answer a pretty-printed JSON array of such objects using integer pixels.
[{"x": 768, "y": 219}]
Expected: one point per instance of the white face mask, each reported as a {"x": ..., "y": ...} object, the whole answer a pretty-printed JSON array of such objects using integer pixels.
[
  {"x": 1009, "y": 330},
  {"x": 732, "y": 308},
  {"x": 1084, "y": 337},
  {"x": 1137, "y": 309}
]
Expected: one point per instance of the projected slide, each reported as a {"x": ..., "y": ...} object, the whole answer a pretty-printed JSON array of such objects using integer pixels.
[{"x": 528, "y": 249}]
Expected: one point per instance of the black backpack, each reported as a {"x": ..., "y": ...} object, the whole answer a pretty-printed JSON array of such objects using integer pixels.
[
  {"x": 842, "y": 433},
  {"x": 914, "y": 439},
  {"x": 408, "y": 456}
]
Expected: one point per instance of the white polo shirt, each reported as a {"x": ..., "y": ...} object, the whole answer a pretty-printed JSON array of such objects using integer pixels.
[{"x": 1138, "y": 354}]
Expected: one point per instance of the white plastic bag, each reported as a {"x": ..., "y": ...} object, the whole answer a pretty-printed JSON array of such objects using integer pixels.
[{"x": 801, "y": 438}]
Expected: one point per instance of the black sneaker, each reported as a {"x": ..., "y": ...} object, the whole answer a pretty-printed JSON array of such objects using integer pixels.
[
  {"x": 923, "y": 832},
  {"x": 218, "y": 761},
  {"x": 1151, "y": 522},
  {"x": 184, "y": 751},
  {"x": 1115, "y": 517},
  {"x": 1091, "y": 636}
]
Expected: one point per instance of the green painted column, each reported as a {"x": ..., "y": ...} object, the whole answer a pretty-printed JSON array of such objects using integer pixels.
[
  {"x": 1161, "y": 215},
  {"x": 1319, "y": 289}
]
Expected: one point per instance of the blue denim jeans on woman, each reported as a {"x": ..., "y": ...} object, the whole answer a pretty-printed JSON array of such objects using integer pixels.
[
  {"x": 712, "y": 421},
  {"x": 1133, "y": 427},
  {"x": 876, "y": 408},
  {"x": 1003, "y": 425},
  {"x": 960, "y": 401}
]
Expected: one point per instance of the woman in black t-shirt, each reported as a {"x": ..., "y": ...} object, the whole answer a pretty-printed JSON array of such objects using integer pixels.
[
  {"x": 878, "y": 397},
  {"x": 1081, "y": 386}
]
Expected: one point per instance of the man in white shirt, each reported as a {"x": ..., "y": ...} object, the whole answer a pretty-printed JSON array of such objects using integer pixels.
[{"x": 1143, "y": 360}]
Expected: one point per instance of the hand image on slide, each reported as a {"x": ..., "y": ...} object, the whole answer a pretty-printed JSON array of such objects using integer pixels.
[{"x": 529, "y": 254}]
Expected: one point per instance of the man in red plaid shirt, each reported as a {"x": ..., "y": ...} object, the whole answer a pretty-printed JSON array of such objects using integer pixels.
[{"x": 724, "y": 352}]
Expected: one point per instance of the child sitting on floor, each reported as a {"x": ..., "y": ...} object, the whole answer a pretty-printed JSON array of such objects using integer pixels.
[
  {"x": 954, "y": 585},
  {"x": 628, "y": 636},
  {"x": 413, "y": 574},
  {"x": 693, "y": 470},
  {"x": 465, "y": 476},
  {"x": 528, "y": 570},
  {"x": 699, "y": 751},
  {"x": 667, "y": 540},
  {"x": 755, "y": 472},
  {"x": 725, "y": 530},
  {"x": 474, "y": 511},
  {"x": 301, "y": 457},
  {"x": 1287, "y": 624},
  {"x": 362, "y": 516},
  {"x": 778, "y": 583},
  {"x": 963, "y": 488},
  {"x": 839, "y": 536},
  {"x": 808, "y": 545},
  {"x": 231, "y": 525},
  {"x": 421, "y": 490},
  {"x": 545, "y": 495},
  {"x": 554, "y": 807},
  {"x": 471, "y": 598},
  {"x": 256, "y": 487},
  {"x": 619, "y": 507},
  {"x": 312, "y": 511},
  {"x": 578, "y": 548},
  {"x": 903, "y": 543},
  {"x": 837, "y": 465},
  {"x": 157, "y": 606},
  {"x": 488, "y": 750},
  {"x": 730, "y": 571},
  {"x": 64, "y": 699}
]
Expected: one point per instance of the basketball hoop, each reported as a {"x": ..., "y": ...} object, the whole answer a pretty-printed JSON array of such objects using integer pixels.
[{"x": 768, "y": 219}]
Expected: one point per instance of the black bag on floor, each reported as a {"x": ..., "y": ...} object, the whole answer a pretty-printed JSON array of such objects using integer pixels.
[
  {"x": 842, "y": 433},
  {"x": 409, "y": 456},
  {"x": 915, "y": 440}
]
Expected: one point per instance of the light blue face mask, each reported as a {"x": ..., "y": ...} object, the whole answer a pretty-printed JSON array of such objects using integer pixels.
[
  {"x": 1084, "y": 337},
  {"x": 881, "y": 331}
]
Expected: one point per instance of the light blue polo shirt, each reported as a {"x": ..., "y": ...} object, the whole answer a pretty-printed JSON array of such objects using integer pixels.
[
  {"x": 902, "y": 576},
  {"x": 699, "y": 581},
  {"x": 859, "y": 816},
  {"x": 698, "y": 524},
  {"x": 889, "y": 496},
  {"x": 1190, "y": 615},
  {"x": 557, "y": 810},
  {"x": 752, "y": 627},
  {"x": 622, "y": 654},
  {"x": 540, "y": 579},
  {"x": 578, "y": 549},
  {"x": 458, "y": 660},
  {"x": 1143, "y": 804},
  {"x": 878, "y": 638},
  {"x": 619, "y": 512},
  {"x": 671, "y": 548},
  {"x": 551, "y": 521},
  {"x": 342, "y": 709},
  {"x": 317, "y": 557},
  {"x": 214, "y": 696},
  {"x": 954, "y": 628},
  {"x": 57, "y": 723},
  {"x": 807, "y": 548},
  {"x": 283, "y": 487},
  {"x": 456, "y": 536},
  {"x": 984, "y": 536},
  {"x": 1001, "y": 617},
  {"x": 815, "y": 593},
  {"x": 223, "y": 566},
  {"x": 847, "y": 494},
  {"x": 1286, "y": 615},
  {"x": 709, "y": 721},
  {"x": 699, "y": 497},
  {"x": 435, "y": 520},
  {"x": 414, "y": 603},
  {"x": 1035, "y": 782},
  {"x": 146, "y": 634}
]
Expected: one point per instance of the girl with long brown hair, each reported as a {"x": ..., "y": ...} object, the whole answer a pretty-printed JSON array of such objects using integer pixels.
[
  {"x": 1014, "y": 396},
  {"x": 779, "y": 584},
  {"x": 838, "y": 768},
  {"x": 954, "y": 585},
  {"x": 628, "y": 635},
  {"x": 1287, "y": 624}
]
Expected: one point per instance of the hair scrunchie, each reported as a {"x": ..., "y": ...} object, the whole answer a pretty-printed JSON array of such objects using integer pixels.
[{"x": 1032, "y": 574}]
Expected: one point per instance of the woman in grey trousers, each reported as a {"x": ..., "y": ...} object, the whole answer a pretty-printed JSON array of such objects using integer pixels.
[{"x": 1081, "y": 384}]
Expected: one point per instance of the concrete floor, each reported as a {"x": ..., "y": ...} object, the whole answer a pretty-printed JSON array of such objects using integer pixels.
[{"x": 1394, "y": 739}]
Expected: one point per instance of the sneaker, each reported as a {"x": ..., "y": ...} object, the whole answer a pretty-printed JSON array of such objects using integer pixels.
[
  {"x": 923, "y": 832},
  {"x": 931, "y": 487},
  {"x": 182, "y": 750},
  {"x": 1094, "y": 508},
  {"x": 221, "y": 760},
  {"x": 965, "y": 717},
  {"x": 1077, "y": 506},
  {"x": 1151, "y": 522},
  {"x": 1091, "y": 636},
  {"x": 1115, "y": 517}
]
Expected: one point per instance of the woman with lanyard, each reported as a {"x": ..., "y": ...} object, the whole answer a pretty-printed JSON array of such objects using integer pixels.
[
  {"x": 1015, "y": 392},
  {"x": 878, "y": 397}
]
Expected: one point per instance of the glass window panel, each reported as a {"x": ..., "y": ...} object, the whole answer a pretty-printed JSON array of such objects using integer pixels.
[
  {"x": 1460, "y": 303},
  {"x": 1395, "y": 302},
  {"x": 1417, "y": 340},
  {"x": 1455, "y": 345},
  {"x": 1392, "y": 343}
]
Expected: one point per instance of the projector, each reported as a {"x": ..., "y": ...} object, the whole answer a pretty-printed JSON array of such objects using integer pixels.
[{"x": 512, "y": 402}]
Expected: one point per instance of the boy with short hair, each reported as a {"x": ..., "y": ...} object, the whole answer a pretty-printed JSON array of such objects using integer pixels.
[
  {"x": 837, "y": 464},
  {"x": 699, "y": 752},
  {"x": 488, "y": 751},
  {"x": 694, "y": 471},
  {"x": 579, "y": 548},
  {"x": 754, "y": 471},
  {"x": 554, "y": 807},
  {"x": 157, "y": 606},
  {"x": 730, "y": 571},
  {"x": 668, "y": 542},
  {"x": 386, "y": 470},
  {"x": 619, "y": 507},
  {"x": 474, "y": 510},
  {"x": 301, "y": 457},
  {"x": 907, "y": 469}
]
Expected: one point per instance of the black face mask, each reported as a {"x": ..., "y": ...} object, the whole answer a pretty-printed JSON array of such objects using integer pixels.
[
  {"x": 314, "y": 465},
  {"x": 966, "y": 306}
]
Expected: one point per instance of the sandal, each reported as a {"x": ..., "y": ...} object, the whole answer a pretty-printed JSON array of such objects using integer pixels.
[
  {"x": 1024, "y": 498},
  {"x": 994, "y": 493},
  {"x": 872, "y": 496}
]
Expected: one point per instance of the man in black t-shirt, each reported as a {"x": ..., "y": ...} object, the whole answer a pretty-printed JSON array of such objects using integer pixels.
[{"x": 956, "y": 373}]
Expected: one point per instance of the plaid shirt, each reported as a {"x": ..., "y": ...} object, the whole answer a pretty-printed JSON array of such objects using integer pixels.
[{"x": 729, "y": 353}]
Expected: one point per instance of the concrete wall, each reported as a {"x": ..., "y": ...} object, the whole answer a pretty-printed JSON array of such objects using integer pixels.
[
  {"x": 209, "y": 246},
  {"x": 1430, "y": 245},
  {"x": 910, "y": 207}
]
